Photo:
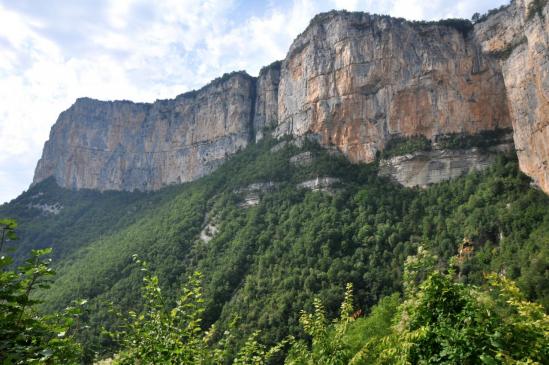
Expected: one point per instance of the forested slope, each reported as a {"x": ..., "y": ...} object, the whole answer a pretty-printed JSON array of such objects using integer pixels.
[{"x": 267, "y": 250}]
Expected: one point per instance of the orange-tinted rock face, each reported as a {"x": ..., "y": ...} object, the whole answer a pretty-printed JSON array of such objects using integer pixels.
[
  {"x": 519, "y": 36},
  {"x": 358, "y": 80}
]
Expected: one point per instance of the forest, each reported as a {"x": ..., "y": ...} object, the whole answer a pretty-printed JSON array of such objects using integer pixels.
[{"x": 363, "y": 271}]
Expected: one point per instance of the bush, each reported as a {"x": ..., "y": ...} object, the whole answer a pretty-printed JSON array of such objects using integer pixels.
[
  {"x": 27, "y": 337},
  {"x": 398, "y": 146}
]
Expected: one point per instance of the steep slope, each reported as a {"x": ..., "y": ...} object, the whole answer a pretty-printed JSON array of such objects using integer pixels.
[
  {"x": 519, "y": 37},
  {"x": 67, "y": 220},
  {"x": 282, "y": 222}
]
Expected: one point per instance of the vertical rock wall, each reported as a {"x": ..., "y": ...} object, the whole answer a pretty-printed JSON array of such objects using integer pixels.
[
  {"x": 519, "y": 38},
  {"x": 266, "y": 101},
  {"x": 358, "y": 80},
  {"x": 125, "y": 146},
  {"x": 354, "y": 80}
]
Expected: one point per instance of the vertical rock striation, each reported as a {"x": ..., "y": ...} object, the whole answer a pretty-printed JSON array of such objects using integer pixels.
[
  {"x": 518, "y": 36},
  {"x": 266, "y": 101},
  {"x": 359, "y": 79},
  {"x": 125, "y": 146}
]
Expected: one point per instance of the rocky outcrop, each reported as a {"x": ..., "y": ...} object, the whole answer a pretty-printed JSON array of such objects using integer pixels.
[
  {"x": 324, "y": 184},
  {"x": 424, "y": 168},
  {"x": 251, "y": 194},
  {"x": 302, "y": 159},
  {"x": 519, "y": 37},
  {"x": 359, "y": 79},
  {"x": 125, "y": 146}
]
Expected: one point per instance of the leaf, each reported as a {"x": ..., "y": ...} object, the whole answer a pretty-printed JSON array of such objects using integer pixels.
[{"x": 488, "y": 360}]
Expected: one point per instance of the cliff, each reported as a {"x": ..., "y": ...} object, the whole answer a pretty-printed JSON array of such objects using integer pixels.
[
  {"x": 359, "y": 80},
  {"x": 354, "y": 80},
  {"x": 518, "y": 37},
  {"x": 125, "y": 146}
]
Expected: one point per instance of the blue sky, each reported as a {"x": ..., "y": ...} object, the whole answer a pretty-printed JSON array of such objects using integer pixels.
[{"x": 52, "y": 52}]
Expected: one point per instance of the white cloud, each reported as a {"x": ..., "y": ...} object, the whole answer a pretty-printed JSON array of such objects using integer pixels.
[
  {"x": 51, "y": 53},
  {"x": 410, "y": 9},
  {"x": 350, "y": 5}
]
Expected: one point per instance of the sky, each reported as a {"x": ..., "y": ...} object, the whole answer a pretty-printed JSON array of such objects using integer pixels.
[{"x": 52, "y": 52}]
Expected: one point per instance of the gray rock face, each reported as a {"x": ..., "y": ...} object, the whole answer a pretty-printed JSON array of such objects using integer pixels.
[
  {"x": 251, "y": 194},
  {"x": 303, "y": 159},
  {"x": 125, "y": 146},
  {"x": 425, "y": 168},
  {"x": 324, "y": 184},
  {"x": 266, "y": 101}
]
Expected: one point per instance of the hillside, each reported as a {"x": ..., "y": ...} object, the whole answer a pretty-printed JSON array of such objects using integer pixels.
[{"x": 268, "y": 246}]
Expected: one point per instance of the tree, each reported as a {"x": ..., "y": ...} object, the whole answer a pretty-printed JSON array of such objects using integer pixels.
[
  {"x": 26, "y": 336},
  {"x": 447, "y": 322},
  {"x": 476, "y": 17},
  {"x": 159, "y": 335}
]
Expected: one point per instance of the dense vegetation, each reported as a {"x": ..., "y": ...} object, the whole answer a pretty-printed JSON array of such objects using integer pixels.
[
  {"x": 27, "y": 337},
  {"x": 85, "y": 216},
  {"x": 464, "y": 26},
  {"x": 267, "y": 262},
  {"x": 402, "y": 145},
  {"x": 398, "y": 146},
  {"x": 483, "y": 139}
]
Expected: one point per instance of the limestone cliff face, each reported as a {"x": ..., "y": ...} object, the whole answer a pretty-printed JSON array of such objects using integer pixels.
[
  {"x": 358, "y": 80},
  {"x": 125, "y": 146},
  {"x": 266, "y": 102},
  {"x": 353, "y": 81},
  {"x": 519, "y": 38},
  {"x": 424, "y": 168}
]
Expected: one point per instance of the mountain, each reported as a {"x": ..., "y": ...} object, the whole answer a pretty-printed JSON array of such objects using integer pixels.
[
  {"x": 359, "y": 82},
  {"x": 373, "y": 137}
]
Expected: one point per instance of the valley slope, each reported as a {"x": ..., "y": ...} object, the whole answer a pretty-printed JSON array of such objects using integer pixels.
[{"x": 267, "y": 243}]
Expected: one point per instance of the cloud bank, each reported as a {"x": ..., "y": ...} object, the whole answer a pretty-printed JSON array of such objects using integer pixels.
[{"x": 56, "y": 51}]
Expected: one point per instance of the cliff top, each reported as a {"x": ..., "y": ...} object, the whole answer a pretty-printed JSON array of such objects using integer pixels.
[
  {"x": 189, "y": 94},
  {"x": 462, "y": 25}
]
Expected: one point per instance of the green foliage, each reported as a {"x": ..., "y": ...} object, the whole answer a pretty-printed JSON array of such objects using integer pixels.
[
  {"x": 266, "y": 263},
  {"x": 27, "y": 337},
  {"x": 159, "y": 335},
  {"x": 478, "y": 18},
  {"x": 464, "y": 26},
  {"x": 447, "y": 322},
  {"x": 85, "y": 216},
  {"x": 327, "y": 345},
  {"x": 398, "y": 146},
  {"x": 440, "y": 321},
  {"x": 7, "y": 231},
  {"x": 482, "y": 139}
]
